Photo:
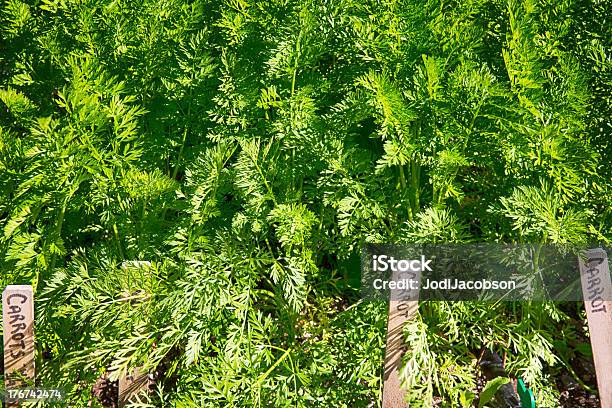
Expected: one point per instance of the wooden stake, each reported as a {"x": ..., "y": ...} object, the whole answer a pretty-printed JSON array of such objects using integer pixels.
[
  {"x": 402, "y": 308},
  {"x": 597, "y": 292},
  {"x": 134, "y": 384},
  {"x": 19, "y": 353}
]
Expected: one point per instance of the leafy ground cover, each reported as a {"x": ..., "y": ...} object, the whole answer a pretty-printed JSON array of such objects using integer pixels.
[{"x": 187, "y": 185}]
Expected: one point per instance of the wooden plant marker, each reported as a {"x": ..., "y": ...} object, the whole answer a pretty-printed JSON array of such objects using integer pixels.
[
  {"x": 18, "y": 333},
  {"x": 597, "y": 292},
  {"x": 136, "y": 383},
  {"x": 402, "y": 308}
]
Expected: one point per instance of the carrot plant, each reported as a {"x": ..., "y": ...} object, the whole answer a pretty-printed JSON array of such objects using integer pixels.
[{"x": 188, "y": 184}]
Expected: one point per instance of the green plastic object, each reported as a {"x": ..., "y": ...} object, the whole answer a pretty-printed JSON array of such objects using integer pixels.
[{"x": 525, "y": 394}]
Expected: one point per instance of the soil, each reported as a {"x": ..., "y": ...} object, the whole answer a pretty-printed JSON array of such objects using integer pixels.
[
  {"x": 107, "y": 392},
  {"x": 573, "y": 395}
]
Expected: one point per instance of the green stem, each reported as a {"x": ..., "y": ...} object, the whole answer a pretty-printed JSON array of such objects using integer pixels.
[
  {"x": 181, "y": 150},
  {"x": 404, "y": 188},
  {"x": 293, "y": 80},
  {"x": 141, "y": 224},
  {"x": 180, "y": 156},
  {"x": 577, "y": 377},
  {"x": 296, "y": 63},
  {"x": 263, "y": 178},
  {"x": 280, "y": 360},
  {"x": 116, "y": 233},
  {"x": 58, "y": 231},
  {"x": 415, "y": 176}
]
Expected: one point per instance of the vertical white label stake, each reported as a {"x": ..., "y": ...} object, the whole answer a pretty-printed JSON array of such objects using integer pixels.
[
  {"x": 597, "y": 292},
  {"x": 403, "y": 306},
  {"x": 18, "y": 324}
]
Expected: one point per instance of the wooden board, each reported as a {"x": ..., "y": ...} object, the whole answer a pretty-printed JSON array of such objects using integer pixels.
[
  {"x": 132, "y": 385},
  {"x": 402, "y": 308},
  {"x": 597, "y": 292},
  {"x": 18, "y": 326}
]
